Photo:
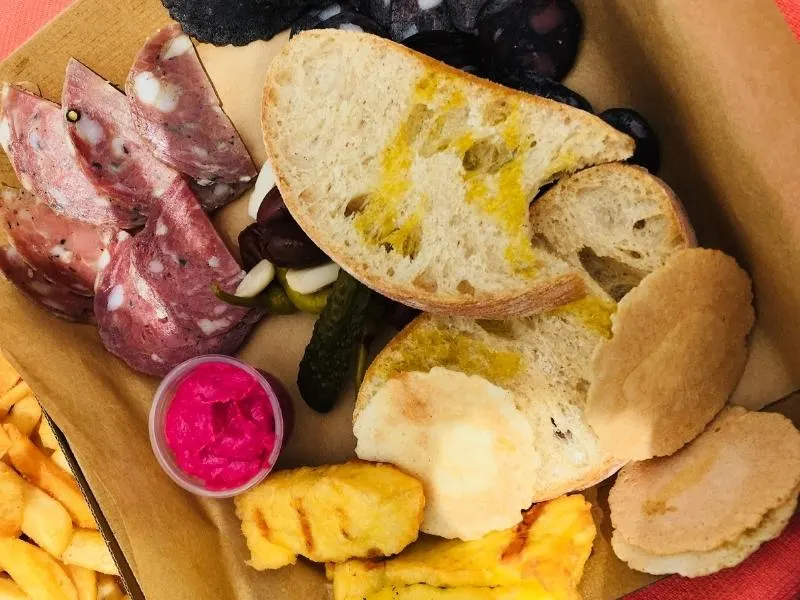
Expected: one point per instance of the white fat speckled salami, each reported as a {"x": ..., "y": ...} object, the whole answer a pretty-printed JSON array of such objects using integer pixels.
[
  {"x": 181, "y": 255},
  {"x": 177, "y": 112},
  {"x": 33, "y": 135},
  {"x": 108, "y": 149},
  {"x": 57, "y": 299},
  {"x": 67, "y": 252},
  {"x": 137, "y": 324}
]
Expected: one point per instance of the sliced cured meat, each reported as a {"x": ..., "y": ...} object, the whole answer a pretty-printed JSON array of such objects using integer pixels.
[
  {"x": 57, "y": 299},
  {"x": 217, "y": 195},
  {"x": 177, "y": 112},
  {"x": 136, "y": 324},
  {"x": 67, "y": 252},
  {"x": 108, "y": 149},
  {"x": 33, "y": 135},
  {"x": 181, "y": 255}
]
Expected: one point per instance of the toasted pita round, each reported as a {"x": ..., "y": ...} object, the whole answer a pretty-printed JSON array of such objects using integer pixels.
[
  {"x": 677, "y": 351},
  {"x": 712, "y": 491},
  {"x": 697, "y": 564},
  {"x": 463, "y": 438}
]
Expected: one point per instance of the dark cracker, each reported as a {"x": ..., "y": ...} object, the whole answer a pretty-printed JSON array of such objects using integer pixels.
[
  {"x": 408, "y": 19},
  {"x": 464, "y": 13},
  {"x": 237, "y": 22}
]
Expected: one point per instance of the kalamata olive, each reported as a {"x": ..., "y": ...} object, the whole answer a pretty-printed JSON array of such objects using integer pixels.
[
  {"x": 533, "y": 83},
  {"x": 412, "y": 16},
  {"x": 338, "y": 16},
  {"x": 286, "y": 245},
  {"x": 250, "y": 242},
  {"x": 460, "y": 50},
  {"x": 533, "y": 35},
  {"x": 272, "y": 208},
  {"x": 629, "y": 121}
]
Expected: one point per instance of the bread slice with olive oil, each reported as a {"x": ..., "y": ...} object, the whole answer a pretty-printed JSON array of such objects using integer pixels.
[
  {"x": 614, "y": 224},
  {"x": 416, "y": 178}
]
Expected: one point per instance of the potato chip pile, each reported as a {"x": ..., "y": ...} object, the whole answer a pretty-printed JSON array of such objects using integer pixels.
[{"x": 50, "y": 546}]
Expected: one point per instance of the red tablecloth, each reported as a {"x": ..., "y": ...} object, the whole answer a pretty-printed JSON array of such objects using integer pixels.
[{"x": 772, "y": 573}]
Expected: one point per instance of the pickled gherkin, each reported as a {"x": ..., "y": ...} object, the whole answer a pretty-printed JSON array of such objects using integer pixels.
[
  {"x": 332, "y": 350},
  {"x": 307, "y": 303},
  {"x": 274, "y": 300}
]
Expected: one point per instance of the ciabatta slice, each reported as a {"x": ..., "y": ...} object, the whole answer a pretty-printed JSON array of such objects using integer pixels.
[
  {"x": 545, "y": 360},
  {"x": 417, "y": 178}
]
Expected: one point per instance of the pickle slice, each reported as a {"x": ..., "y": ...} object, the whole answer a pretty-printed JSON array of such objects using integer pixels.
[{"x": 308, "y": 303}]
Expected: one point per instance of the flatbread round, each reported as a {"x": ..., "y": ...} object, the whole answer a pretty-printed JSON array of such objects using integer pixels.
[
  {"x": 712, "y": 491},
  {"x": 677, "y": 352},
  {"x": 464, "y": 438},
  {"x": 697, "y": 564}
]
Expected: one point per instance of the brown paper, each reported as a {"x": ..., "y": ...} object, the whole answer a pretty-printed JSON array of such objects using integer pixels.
[{"x": 720, "y": 86}]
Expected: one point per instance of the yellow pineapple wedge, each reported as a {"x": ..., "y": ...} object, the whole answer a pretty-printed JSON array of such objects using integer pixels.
[
  {"x": 332, "y": 513},
  {"x": 546, "y": 552}
]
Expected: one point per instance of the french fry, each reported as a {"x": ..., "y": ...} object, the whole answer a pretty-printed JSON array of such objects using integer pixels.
[
  {"x": 25, "y": 415},
  {"x": 88, "y": 549},
  {"x": 14, "y": 395},
  {"x": 5, "y": 443},
  {"x": 11, "y": 502},
  {"x": 46, "y": 521},
  {"x": 47, "y": 436},
  {"x": 60, "y": 459},
  {"x": 8, "y": 375},
  {"x": 45, "y": 474},
  {"x": 37, "y": 573},
  {"x": 11, "y": 591},
  {"x": 85, "y": 581},
  {"x": 108, "y": 588}
]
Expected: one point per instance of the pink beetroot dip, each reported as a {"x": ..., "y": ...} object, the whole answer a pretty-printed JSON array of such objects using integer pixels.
[{"x": 220, "y": 426}]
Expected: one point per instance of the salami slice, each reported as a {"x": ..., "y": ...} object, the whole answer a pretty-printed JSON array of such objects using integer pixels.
[
  {"x": 136, "y": 325},
  {"x": 181, "y": 255},
  {"x": 108, "y": 149},
  {"x": 217, "y": 195},
  {"x": 33, "y": 135},
  {"x": 176, "y": 110},
  {"x": 67, "y": 252},
  {"x": 57, "y": 299}
]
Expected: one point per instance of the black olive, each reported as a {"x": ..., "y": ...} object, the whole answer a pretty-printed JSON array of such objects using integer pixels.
[
  {"x": 533, "y": 83},
  {"x": 542, "y": 36},
  {"x": 250, "y": 242},
  {"x": 282, "y": 242},
  {"x": 629, "y": 121},
  {"x": 272, "y": 208},
  {"x": 457, "y": 49}
]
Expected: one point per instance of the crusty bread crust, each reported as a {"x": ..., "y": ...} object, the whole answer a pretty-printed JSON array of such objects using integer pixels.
[{"x": 531, "y": 296}]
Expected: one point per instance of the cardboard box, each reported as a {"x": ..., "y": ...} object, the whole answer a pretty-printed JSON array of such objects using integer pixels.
[{"x": 719, "y": 85}]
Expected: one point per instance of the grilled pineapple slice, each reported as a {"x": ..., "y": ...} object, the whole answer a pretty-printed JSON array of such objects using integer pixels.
[
  {"x": 331, "y": 514},
  {"x": 548, "y": 549}
]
